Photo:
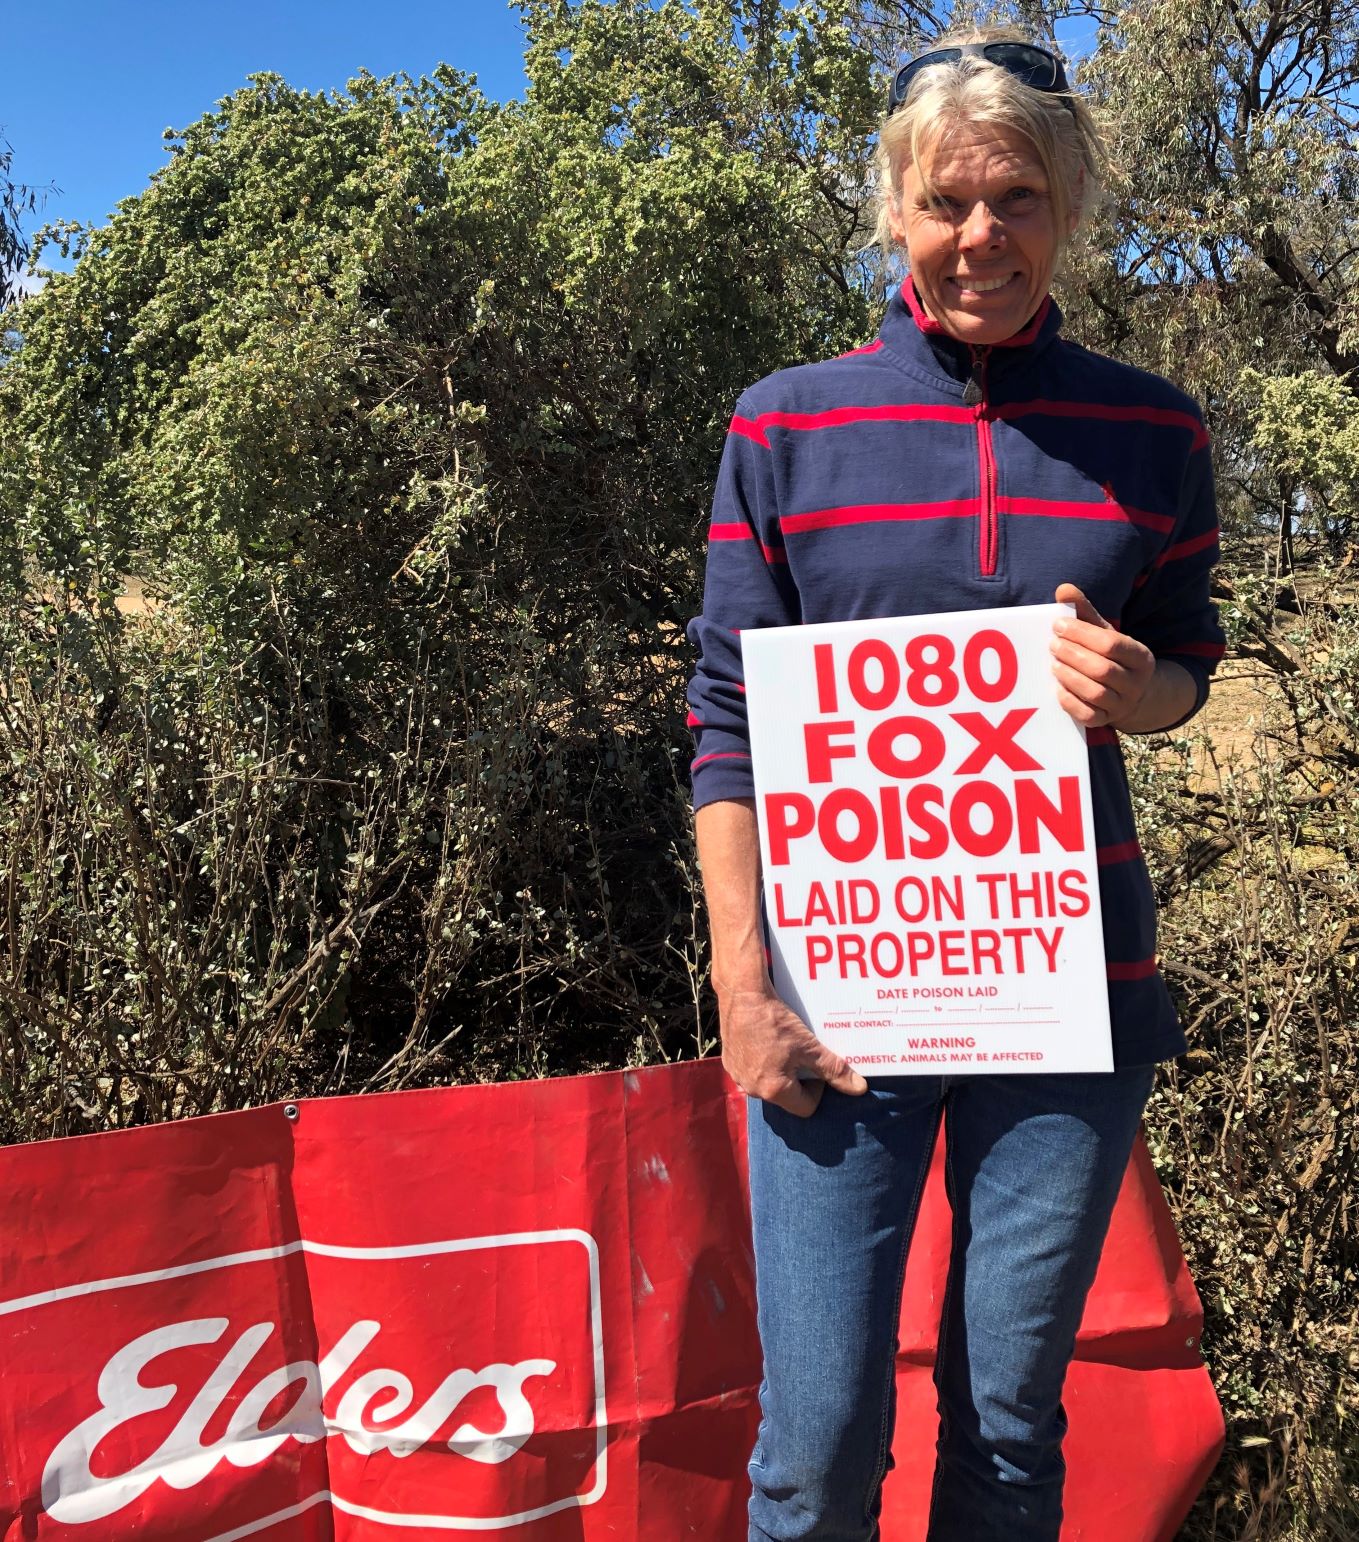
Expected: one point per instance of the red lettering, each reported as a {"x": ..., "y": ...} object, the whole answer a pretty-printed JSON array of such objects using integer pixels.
[
  {"x": 1049, "y": 946},
  {"x": 788, "y": 816},
  {"x": 1007, "y": 660},
  {"x": 928, "y": 756},
  {"x": 932, "y": 900},
  {"x": 827, "y": 697},
  {"x": 919, "y": 948},
  {"x": 995, "y": 741},
  {"x": 992, "y": 882},
  {"x": 819, "y": 951},
  {"x": 952, "y": 953},
  {"x": 920, "y": 802},
  {"x": 981, "y": 843},
  {"x": 893, "y": 837},
  {"x": 874, "y": 651},
  {"x": 1017, "y": 934},
  {"x": 1033, "y": 808},
  {"x": 985, "y": 944},
  {"x": 919, "y": 897},
  {"x": 852, "y": 952},
  {"x": 816, "y": 738},
  {"x": 892, "y": 943},
  {"x": 930, "y": 657},
  {"x": 855, "y": 847},
  {"x": 1021, "y": 896},
  {"x": 1071, "y": 886}
]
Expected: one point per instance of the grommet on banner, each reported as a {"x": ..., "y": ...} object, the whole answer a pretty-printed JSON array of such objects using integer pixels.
[{"x": 290, "y": 1110}]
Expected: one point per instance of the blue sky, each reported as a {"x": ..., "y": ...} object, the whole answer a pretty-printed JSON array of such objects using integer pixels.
[{"x": 90, "y": 85}]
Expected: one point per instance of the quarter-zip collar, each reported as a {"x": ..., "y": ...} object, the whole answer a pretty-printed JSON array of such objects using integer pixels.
[
  {"x": 981, "y": 374},
  {"x": 918, "y": 342}
]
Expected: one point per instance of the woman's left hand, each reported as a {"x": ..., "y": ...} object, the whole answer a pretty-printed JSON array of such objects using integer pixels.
[{"x": 1103, "y": 675}]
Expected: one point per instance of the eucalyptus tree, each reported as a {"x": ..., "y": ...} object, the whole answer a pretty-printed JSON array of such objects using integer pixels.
[
  {"x": 1228, "y": 256},
  {"x": 15, "y": 201}
]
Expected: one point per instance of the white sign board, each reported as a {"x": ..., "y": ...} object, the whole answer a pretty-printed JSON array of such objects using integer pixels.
[{"x": 930, "y": 876}]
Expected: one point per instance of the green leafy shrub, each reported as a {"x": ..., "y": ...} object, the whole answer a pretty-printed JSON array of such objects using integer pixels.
[{"x": 404, "y": 409}]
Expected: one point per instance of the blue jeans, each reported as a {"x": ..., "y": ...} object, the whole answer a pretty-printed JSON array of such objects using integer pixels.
[{"x": 1034, "y": 1165}]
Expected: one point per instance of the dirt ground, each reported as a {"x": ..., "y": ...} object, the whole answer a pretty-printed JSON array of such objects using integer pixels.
[
  {"x": 133, "y": 600},
  {"x": 1243, "y": 703}
]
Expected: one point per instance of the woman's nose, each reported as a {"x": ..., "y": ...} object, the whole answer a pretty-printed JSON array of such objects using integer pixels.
[{"x": 982, "y": 226}]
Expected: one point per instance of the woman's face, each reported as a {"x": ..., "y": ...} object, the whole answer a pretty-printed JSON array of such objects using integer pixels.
[{"x": 983, "y": 248}]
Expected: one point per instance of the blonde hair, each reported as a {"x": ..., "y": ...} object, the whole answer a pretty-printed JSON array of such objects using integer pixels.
[{"x": 973, "y": 90}]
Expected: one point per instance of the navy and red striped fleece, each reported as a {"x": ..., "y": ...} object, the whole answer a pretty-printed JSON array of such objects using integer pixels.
[{"x": 920, "y": 475}]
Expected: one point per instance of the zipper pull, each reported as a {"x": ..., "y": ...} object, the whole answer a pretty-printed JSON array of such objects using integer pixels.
[{"x": 974, "y": 392}]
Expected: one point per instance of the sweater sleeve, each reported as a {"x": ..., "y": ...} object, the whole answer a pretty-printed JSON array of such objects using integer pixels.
[
  {"x": 748, "y": 585},
  {"x": 1170, "y": 609}
]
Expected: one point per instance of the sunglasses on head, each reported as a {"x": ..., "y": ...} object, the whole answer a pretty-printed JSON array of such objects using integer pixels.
[{"x": 1034, "y": 66}]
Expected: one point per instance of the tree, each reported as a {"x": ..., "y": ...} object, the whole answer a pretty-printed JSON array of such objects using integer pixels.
[
  {"x": 1228, "y": 250},
  {"x": 15, "y": 201}
]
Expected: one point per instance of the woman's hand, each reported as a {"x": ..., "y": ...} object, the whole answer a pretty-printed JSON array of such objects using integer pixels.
[
  {"x": 766, "y": 1048},
  {"x": 1106, "y": 678}
]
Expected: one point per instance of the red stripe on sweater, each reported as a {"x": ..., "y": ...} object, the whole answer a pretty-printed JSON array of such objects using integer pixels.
[
  {"x": 1100, "y": 736},
  {"x": 1164, "y": 417},
  {"x": 718, "y": 755},
  {"x": 1124, "y": 851},
  {"x": 1141, "y": 969},
  {"x": 693, "y": 722},
  {"x": 745, "y": 533},
  {"x": 891, "y": 412},
  {"x": 747, "y": 430},
  {"x": 1182, "y": 549},
  {"x": 876, "y": 513},
  {"x": 1059, "y": 508},
  {"x": 867, "y": 348},
  {"x": 1206, "y": 542},
  {"x": 1196, "y": 650}
]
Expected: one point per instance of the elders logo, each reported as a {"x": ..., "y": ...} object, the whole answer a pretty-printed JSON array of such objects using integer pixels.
[{"x": 453, "y": 1385}]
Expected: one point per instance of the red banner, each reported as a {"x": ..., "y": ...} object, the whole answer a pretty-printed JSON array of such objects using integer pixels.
[{"x": 524, "y": 1309}]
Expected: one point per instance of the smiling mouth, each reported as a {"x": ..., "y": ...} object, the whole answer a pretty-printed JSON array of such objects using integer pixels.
[{"x": 982, "y": 285}]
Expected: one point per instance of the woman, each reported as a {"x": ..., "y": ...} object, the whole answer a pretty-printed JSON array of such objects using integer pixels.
[{"x": 845, "y": 493}]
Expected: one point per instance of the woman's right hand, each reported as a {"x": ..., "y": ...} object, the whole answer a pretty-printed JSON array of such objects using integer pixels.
[{"x": 770, "y": 1053}]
